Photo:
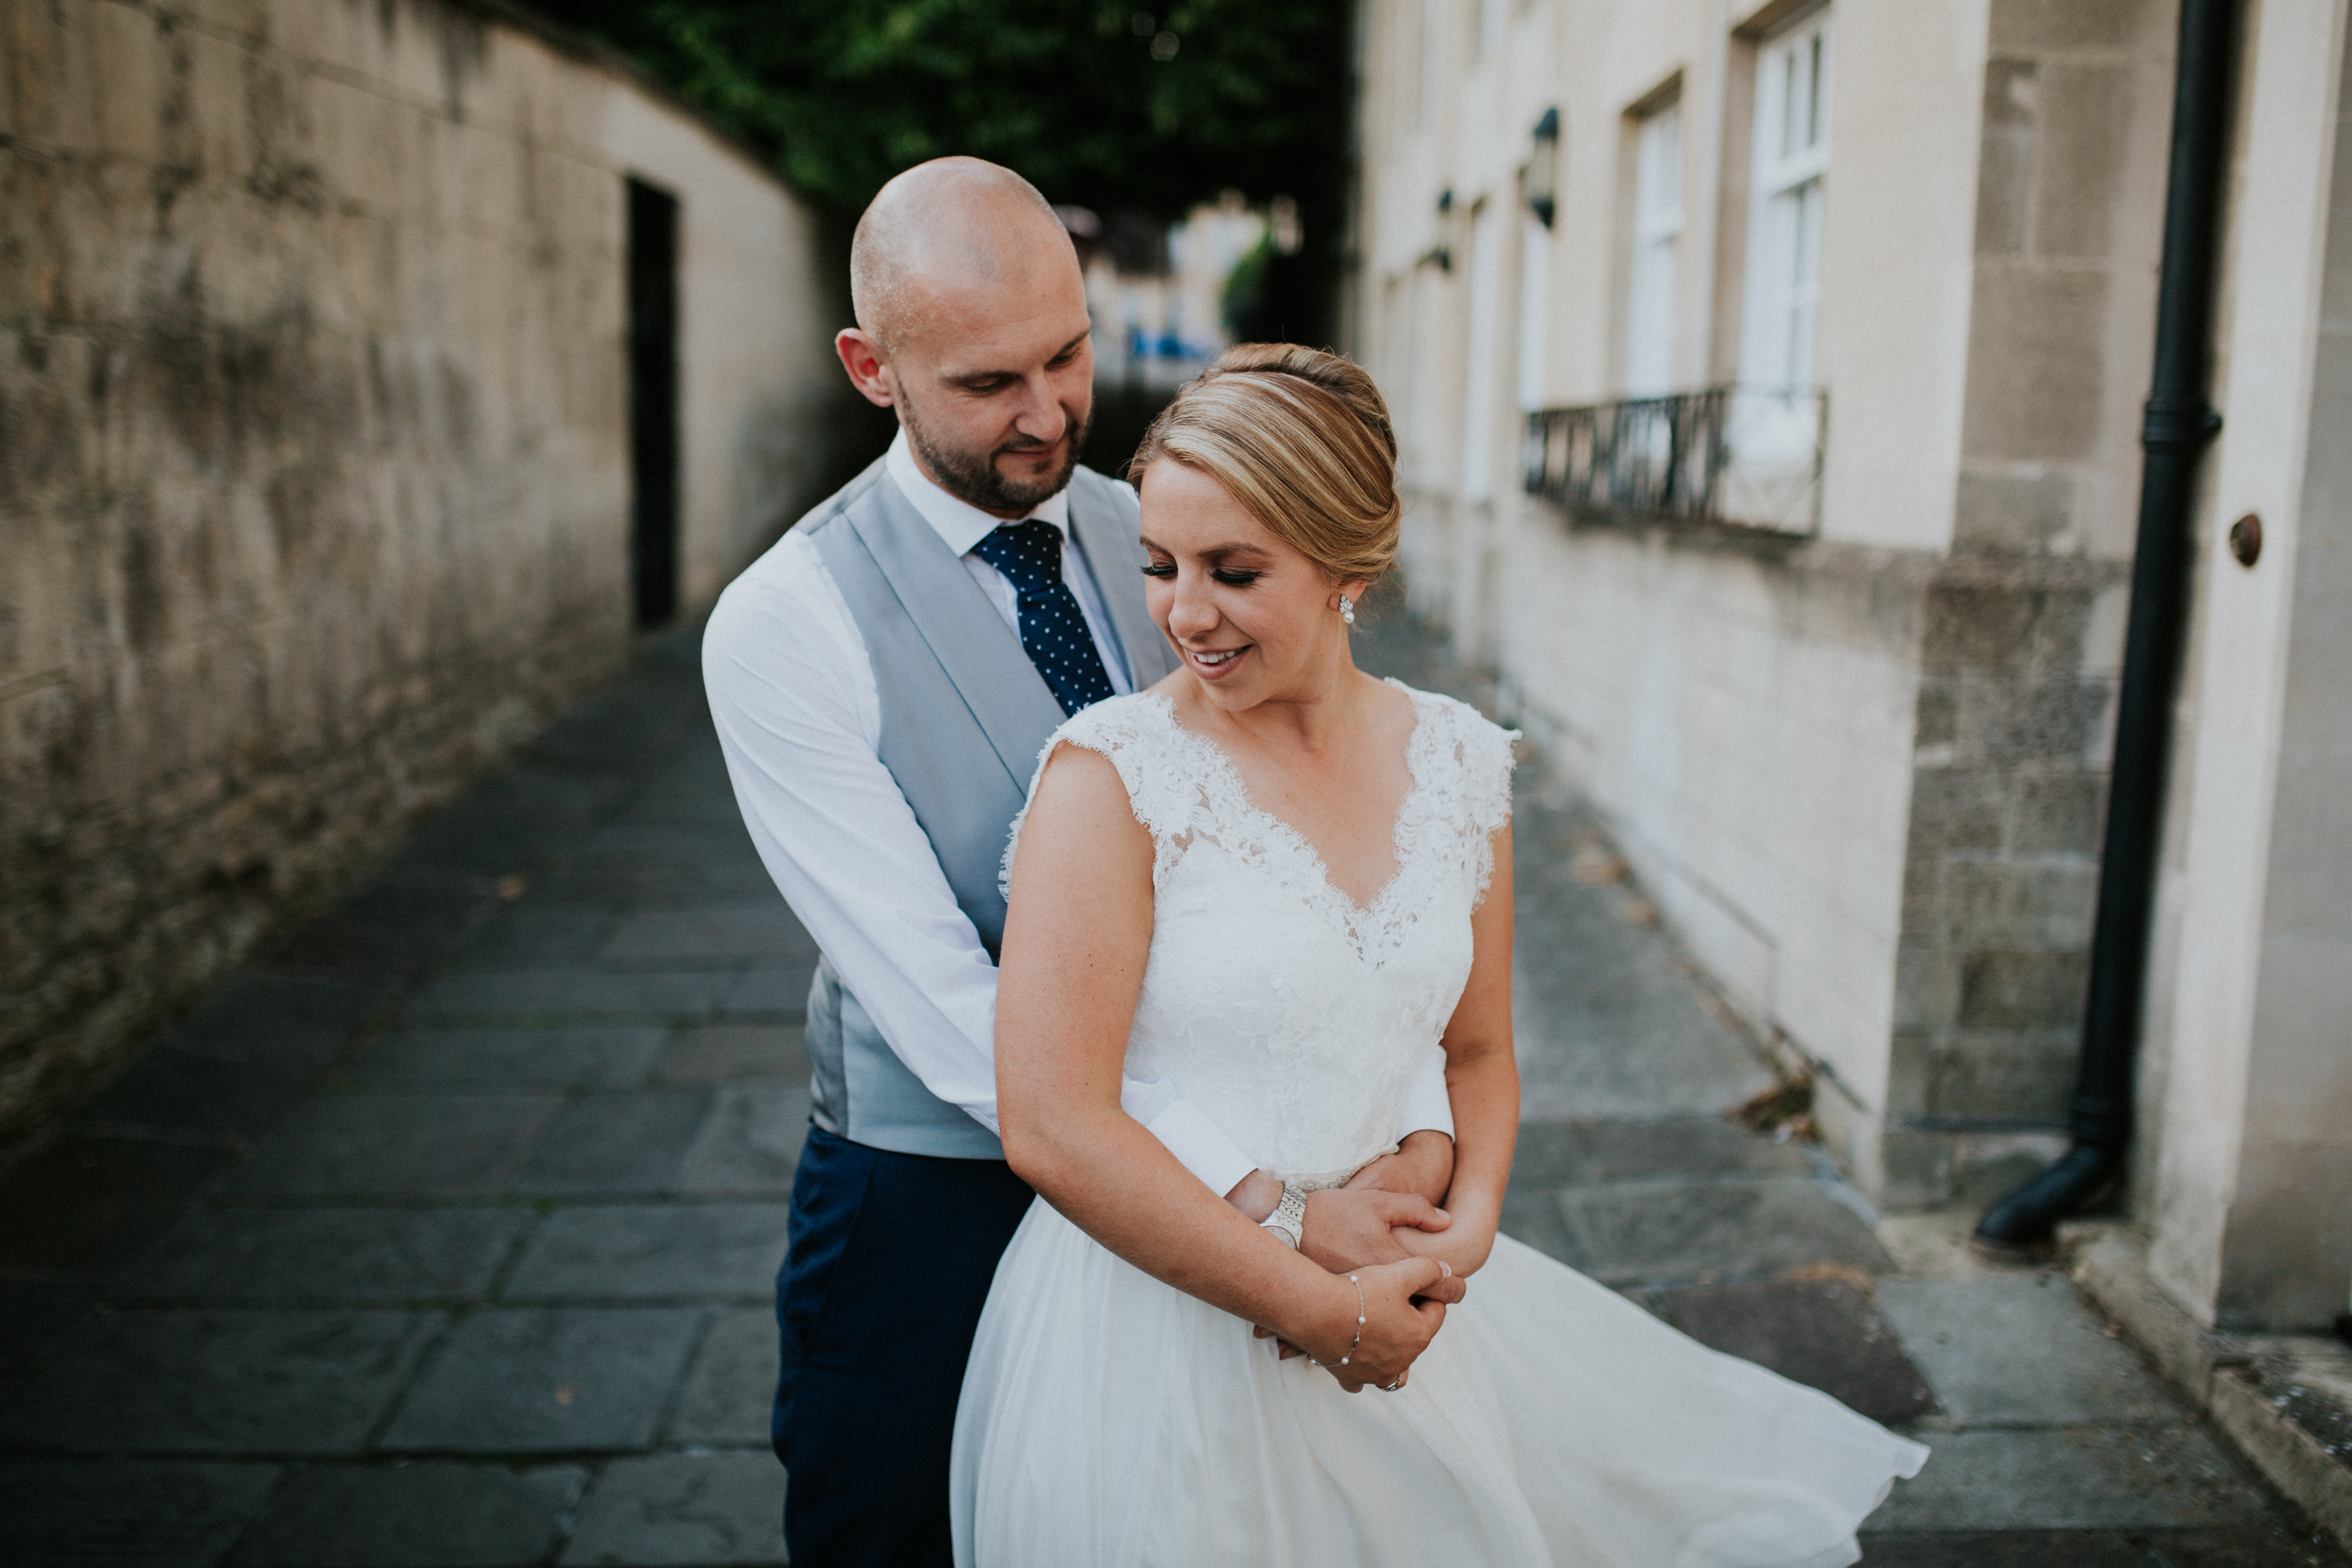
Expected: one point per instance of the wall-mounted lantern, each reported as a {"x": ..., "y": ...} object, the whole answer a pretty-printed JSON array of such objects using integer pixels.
[
  {"x": 1543, "y": 168},
  {"x": 1442, "y": 252}
]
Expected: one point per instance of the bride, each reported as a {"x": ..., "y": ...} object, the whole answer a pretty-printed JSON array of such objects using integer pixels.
[{"x": 1202, "y": 896}]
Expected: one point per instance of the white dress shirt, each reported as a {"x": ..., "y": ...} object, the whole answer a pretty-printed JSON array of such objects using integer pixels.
[{"x": 799, "y": 717}]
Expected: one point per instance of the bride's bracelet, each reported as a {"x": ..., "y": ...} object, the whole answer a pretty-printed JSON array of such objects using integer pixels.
[{"x": 1357, "y": 1342}]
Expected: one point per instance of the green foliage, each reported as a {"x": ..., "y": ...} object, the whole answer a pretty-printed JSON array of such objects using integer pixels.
[
  {"x": 1096, "y": 102},
  {"x": 1243, "y": 305}
]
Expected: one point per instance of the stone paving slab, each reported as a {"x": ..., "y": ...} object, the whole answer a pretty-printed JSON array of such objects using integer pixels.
[
  {"x": 1576, "y": 1154},
  {"x": 86, "y": 1202},
  {"x": 761, "y": 930},
  {"x": 140, "y": 1513},
  {"x": 554, "y": 995},
  {"x": 2021, "y": 1351},
  {"x": 730, "y": 1392},
  {"x": 708, "y": 1509},
  {"x": 751, "y": 1143},
  {"x": 1672, "y": 1232},
  {"x": 618, "y": 883},
  {"x": 1531, "y": 1214},
  {"x": 448, "y": 1515},
  {"x": 661, "y": 865},
  {"x": 1608, "y": 1027},
  {"x": 617, "y": 1143},
  {"x": 524, "y": 812},
  {"x": 216, "y": 1382},
  {"x": 2271, "y": 1546},
  {"x": 560, "y": 1380},
  {"x": 653, "y": 1252},
  {"x": 267, "y": 1018},
  {"x": 722, "y": 1053},
  {"x": 691, "y": 788},
  {"x": 298, "y": 1256},
  {"x": 1824, "y": 1333},
  {"x": 540, "y": 934},
  {"x": 776, "y": 994},
  {"x": 396, "y": 926},
  {"x": 171, "y": 1091},
  {"x": 2078, "y": 1478},
  {"x": 398, "y": 1144},
  {"x": 32, "y": 1313},
  {"x": 509, "y": 1059},
  {"x": 637, "y": 716}
]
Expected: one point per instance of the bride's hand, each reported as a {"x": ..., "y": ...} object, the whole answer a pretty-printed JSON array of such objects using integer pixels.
[
  {"x": 1399, "y": 1320},
  {"x": 1463, "y": 1245},
  {"x": 1447, "y": 1291}
]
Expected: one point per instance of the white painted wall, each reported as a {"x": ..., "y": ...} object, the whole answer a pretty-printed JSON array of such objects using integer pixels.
[
  {"x": 755, "y": 357},
  {"x": 2257, "y": 1050},
  {"x": 1745, "y": 714},
  {"x": 1897, "y": 260}
]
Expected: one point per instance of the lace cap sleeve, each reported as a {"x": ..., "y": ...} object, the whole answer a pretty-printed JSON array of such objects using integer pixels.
[
  {"x": 1483, "y": 757},
  {"x": 1131, "y": 732}
]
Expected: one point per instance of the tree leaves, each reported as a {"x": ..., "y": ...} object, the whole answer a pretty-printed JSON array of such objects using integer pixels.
[{"x": 845, "y": 94}]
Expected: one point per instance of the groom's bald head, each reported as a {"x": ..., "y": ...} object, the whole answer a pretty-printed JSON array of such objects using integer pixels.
[
  {"x": 973, "y": 328},
  {"x": 945, "y": 231}
]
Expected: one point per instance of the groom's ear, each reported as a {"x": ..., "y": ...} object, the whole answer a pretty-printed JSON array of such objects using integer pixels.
[{"x": 870, "y": 371}]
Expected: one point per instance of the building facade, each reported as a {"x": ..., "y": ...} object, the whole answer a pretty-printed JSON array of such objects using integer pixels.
[
  {"x": 1769, "y": 382},
  {"x": 366, "y": 371}
]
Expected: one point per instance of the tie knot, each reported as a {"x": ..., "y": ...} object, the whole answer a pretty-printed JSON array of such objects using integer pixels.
[{"x": 1029, "y": 553}]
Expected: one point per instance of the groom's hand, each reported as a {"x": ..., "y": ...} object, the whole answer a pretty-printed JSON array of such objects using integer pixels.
[
  {"x": 1349, "y": 1228},
  {"x": 1422, "y": 1164}
]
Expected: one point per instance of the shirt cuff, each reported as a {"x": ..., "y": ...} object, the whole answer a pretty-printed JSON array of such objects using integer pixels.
[
  {"x": 1428, "y": 1108},
  {"x": 1200, "y": 1145}
]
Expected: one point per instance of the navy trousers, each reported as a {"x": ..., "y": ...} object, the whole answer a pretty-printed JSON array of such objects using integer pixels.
[{"x": 889, "y": 1265}]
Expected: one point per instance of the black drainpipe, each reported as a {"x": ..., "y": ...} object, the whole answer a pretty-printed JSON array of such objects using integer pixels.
[{"x": 2178, "y": 424}]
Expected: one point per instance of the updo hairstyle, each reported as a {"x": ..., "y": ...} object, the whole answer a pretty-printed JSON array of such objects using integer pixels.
[{"x": 1302, "y": 439}]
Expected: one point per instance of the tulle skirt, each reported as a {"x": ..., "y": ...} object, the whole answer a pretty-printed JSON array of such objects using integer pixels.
[{"x": 1111, "y": 1421}]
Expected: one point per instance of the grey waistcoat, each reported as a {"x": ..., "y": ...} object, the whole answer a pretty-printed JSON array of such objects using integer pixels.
[{"x": 964, "y": 714}]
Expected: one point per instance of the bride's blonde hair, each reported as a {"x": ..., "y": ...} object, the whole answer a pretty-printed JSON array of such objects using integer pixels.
[{"x": 1302, "y": 439}]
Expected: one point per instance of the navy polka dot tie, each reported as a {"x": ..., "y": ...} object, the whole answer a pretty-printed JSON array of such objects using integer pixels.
[{"x": 1029, "y": 553}]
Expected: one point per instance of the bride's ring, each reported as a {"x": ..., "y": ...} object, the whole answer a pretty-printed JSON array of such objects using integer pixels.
[{"x": 1392, "y": 1388}]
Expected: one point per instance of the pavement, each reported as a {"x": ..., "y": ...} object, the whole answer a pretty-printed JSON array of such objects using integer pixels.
[{"x": 444, "y": 1233}]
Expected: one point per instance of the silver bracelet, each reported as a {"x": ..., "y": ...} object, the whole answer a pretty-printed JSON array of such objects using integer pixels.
[
  {"x": 1356, "y": 1344},
  {"x": 1288, "y": 1220}
]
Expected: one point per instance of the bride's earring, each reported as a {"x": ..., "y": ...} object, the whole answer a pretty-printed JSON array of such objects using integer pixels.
[{"x": 1346, "y": 609}]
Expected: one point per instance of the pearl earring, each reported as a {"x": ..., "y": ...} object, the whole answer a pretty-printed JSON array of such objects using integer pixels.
[{"x": 1346, "y": 609}]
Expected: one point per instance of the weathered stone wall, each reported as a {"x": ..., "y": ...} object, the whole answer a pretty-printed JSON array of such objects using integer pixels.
[
  {"x": 2022, "y": 651},
  {"x": 314, "y": 479}
]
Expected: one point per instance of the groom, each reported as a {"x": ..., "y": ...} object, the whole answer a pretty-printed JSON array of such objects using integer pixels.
[{"x": 883, "y": 680}]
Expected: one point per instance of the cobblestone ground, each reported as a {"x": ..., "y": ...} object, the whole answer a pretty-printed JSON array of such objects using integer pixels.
[{"x": 445, "y": 1233}]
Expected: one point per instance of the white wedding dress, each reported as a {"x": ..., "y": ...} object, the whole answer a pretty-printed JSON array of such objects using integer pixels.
[{"x": 1111, "y": 1421}]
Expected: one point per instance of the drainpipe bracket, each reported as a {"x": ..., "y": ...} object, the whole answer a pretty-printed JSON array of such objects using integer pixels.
[{"x": 2178, "y": 424}]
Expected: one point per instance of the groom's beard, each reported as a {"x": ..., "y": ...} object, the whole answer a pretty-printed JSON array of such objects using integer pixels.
[{"x": 972, "y": 477}]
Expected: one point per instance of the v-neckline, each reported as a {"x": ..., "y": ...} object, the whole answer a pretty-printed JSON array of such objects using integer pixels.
[{"x": 1412, "y": 792}]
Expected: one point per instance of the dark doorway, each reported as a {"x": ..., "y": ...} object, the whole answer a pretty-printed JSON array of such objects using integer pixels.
[{"x": 653, "y": 402}]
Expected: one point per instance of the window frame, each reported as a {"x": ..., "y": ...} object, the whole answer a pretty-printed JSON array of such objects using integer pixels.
[
  {"x": 1787, "y": 188},
  {"x": 1656, "y": 222}
]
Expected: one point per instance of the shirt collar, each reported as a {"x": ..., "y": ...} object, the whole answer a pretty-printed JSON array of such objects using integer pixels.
[{"x": 958, "y": 523}]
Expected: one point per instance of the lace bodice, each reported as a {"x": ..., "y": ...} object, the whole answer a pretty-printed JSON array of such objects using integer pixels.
[{"x": 1271, "y": 1002}]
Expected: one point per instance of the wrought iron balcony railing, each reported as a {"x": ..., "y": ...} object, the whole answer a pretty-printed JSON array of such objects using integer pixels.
[{"x": 1726, "y": 455}]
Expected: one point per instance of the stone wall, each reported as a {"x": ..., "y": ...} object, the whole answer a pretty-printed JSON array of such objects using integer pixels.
[
  {"x": 2016, "y": 676},
  {"x": 314, "y": 471},
  {"x": 2022, "y": 641}
]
